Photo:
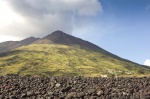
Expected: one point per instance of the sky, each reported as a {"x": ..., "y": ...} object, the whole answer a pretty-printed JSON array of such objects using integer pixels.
[{"x": 121, "y": 27}]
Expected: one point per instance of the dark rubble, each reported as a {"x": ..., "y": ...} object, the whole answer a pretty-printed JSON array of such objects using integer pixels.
[{"x": 16, "y": 87}]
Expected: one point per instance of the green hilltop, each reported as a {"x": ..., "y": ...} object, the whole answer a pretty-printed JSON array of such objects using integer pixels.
[{"x": 64, "y": 60}]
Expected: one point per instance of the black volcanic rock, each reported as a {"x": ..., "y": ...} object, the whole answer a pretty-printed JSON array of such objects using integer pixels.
[
  {"x": 126, "y": 88},
  {"x": 9, "y": 45}
]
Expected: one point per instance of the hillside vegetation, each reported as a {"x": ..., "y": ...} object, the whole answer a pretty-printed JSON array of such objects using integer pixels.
[{"x": 55, "y": 59}]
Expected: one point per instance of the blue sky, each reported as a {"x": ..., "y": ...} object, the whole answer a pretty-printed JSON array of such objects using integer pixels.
[
  {"x": 133, "y": 20},
  {"x": 121, "y": 27},
  {"x": 124, "y": 29}
]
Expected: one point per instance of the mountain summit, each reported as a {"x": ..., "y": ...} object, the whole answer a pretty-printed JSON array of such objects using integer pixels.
[{"x": 59, "y": 37}]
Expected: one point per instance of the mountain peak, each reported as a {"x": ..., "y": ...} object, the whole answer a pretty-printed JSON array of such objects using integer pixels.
[
  {"x": 57, "y": 37},
  {"x": 58, "y": 32}
]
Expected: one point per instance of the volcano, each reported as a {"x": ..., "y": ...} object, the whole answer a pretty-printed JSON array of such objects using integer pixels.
[{"x": 62, "y": 54}]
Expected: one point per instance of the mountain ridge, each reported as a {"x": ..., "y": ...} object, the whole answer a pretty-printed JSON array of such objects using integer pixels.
[
  {"x": 9, "y": 45},
  {"x": 59, "y": 48}
]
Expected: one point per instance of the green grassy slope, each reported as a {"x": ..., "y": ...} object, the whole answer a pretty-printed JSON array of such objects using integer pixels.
[{"x": 54, "y": 59}]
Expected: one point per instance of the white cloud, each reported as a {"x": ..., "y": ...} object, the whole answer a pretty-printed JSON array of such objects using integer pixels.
[
  {"x": 8, "y": 38},
  {"x": 147, "y": 62},
  {"x": 7, "y": 16},
  {"x": 41, "y": 17}
]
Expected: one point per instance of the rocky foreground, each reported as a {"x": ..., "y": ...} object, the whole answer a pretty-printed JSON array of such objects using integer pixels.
[{"x": 15, "y": 87}]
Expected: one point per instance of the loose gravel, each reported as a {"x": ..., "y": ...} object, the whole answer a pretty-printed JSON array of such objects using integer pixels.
[{"x": 16, "y": 87}]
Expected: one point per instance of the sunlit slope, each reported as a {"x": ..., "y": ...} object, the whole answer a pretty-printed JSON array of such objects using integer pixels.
[{"x": 55, "y": 59}]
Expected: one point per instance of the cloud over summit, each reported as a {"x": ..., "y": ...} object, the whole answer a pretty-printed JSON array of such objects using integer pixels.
[
  {"x": 44, "y": 7},
  {"x": 41, "y": 17}
]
